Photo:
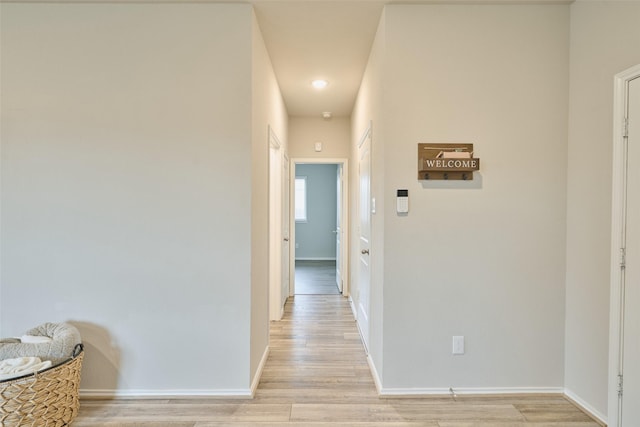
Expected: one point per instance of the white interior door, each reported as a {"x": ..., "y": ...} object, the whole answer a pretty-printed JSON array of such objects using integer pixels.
[
  {"x": 364, "y": 232},
  {"x": 286, "y": 220},
  {"x": 631, "y": 275},
  {"x": 339, "y": 255},
  {"x": 275, "y": 228}
]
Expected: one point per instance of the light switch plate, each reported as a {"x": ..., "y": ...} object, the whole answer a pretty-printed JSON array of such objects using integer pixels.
[{"x": 458, "y": 345}]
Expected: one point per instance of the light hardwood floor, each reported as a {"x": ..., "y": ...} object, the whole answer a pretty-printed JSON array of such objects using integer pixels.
[
  {"x": 316, "y": 278},
  {"x": 317, "y": 375}
]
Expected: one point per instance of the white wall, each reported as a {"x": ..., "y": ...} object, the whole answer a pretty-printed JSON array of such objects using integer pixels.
[
  {"x": 368, "y": 112},
  {"x": 484, "y": 259},
  {"x": 304, "y": 132},
  {"x": 315, "y": 237},
  {"x": 126, "y": 188},
  {"x": 268, "y": 110},
  {"x": 605, "y": 40}
]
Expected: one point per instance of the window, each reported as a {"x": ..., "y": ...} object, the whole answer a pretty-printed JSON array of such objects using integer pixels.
[{"x": 301, "y": 199}]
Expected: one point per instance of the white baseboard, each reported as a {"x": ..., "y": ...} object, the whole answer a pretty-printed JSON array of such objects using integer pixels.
[
  {"x": 352, "y": 304},
  {"x": 415, "y": 392},
  {"x": 374, "y": 374},
  {"x": 316, "y": 259},
  {"x": 166, "y": 394},
  {"x": 256, "y": 378},
  {"x": 586, "y": 407}
]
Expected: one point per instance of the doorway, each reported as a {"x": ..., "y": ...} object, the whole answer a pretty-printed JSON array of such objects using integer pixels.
[
  {"x": 318, "y": 231},
  {"x": 624, "y": 369}
]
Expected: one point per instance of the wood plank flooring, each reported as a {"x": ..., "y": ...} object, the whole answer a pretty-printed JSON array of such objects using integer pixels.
[
  {"x": 317, "y": 375},
  {"x": 316, "y": 278}
]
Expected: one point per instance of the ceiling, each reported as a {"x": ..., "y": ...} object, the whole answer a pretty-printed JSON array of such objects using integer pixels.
[
  {"x": 330, "y": 40},
  {"x": 309, "y": 40}
]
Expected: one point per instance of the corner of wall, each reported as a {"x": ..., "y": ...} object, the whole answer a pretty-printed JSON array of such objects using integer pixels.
[{"x": 267, "y": 111}]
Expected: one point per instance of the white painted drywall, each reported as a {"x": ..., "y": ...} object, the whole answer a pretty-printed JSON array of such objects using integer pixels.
[
  {"x": 334, "y": 135},
  {"x": 268, "y": 110},
  {"x": 605, "y": 40},
  {"x": 126, "y": 188},
  {"x": 315, "y": 237},
  {"x": 368, "y": 114},
  {"x": 484, "y": 259}
]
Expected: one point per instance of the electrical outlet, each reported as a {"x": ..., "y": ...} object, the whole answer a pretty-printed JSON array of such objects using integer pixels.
[
  {"x": 458, "y": 345},
  {"x": 297, "y": 245}
]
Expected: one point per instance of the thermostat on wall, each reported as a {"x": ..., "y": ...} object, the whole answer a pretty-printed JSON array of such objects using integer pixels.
[{"x": 402, "y": 201}]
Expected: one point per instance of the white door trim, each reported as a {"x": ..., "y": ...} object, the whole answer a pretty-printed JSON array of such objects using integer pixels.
[
  {"x": 345, "y": 217},
  {"x": 621, "y": 82}
]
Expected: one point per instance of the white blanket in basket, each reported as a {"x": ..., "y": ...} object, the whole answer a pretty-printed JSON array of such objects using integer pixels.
[
  {"x": 49, "y": 341},
  {"x": 19, "y": 366}
]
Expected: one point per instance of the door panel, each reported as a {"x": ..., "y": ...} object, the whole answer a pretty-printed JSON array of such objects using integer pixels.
[
  {"x": 631, "y": 323},
  {"x": 364, "y": 263},
  {"x": 286, "y": 256},
  {"x": 339, "y": 258},
  {"x": 275, "y": 231}
]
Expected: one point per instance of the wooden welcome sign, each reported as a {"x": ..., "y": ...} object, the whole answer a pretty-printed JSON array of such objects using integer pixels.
[{"x": 446, "y": 161}]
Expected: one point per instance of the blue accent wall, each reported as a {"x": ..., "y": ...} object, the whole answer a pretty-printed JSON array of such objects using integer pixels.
[{"x": 315, "y": 238}]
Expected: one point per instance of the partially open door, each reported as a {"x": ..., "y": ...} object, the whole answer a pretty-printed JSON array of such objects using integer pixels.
[{"x": 338, "y": 231}]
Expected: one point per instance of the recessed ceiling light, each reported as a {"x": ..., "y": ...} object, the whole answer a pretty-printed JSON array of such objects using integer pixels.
[{"x": 319, "y": 84}]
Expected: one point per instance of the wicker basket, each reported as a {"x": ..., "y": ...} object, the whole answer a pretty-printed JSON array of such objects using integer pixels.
[{"x": 48, "y": 398}]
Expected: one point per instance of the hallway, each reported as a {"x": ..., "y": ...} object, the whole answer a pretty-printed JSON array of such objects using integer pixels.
[
  {"x": 317, "y": 374},
  {"x": 316, "y": 278}
]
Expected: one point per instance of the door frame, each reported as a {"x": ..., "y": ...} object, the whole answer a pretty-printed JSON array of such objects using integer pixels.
[
  {"x": 618, "y": 223},
  {"x": 344, "y": 163}
]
